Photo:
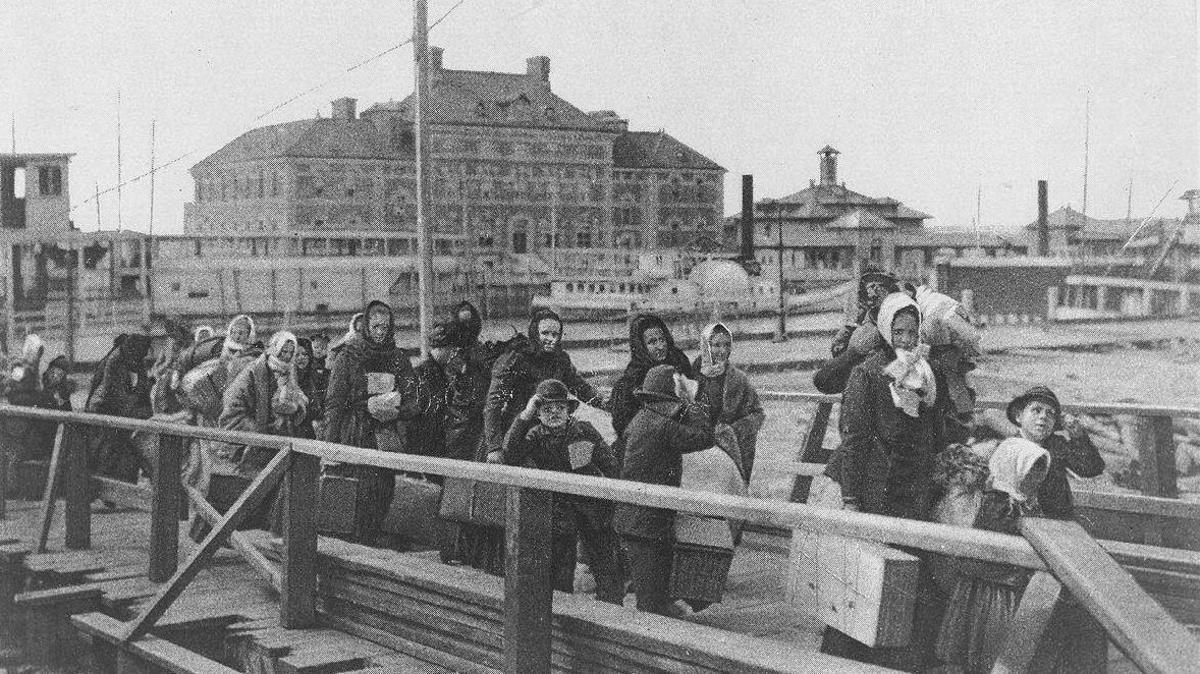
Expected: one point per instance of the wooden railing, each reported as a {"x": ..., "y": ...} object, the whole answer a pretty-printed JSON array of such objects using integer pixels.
[{"x": 1154, "y": 640}]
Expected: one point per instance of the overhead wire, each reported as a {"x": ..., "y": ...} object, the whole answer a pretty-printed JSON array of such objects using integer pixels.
[{"x": 289, "y": 101}]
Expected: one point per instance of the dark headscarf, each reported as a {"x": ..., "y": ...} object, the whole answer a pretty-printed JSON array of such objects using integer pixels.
[
  {"x": 444, "y": 333},
  {"x": 389, "y": 341},
  {"x": 865, "y": 308},
  {"x": 539, "y": 315},
  {"x": 640, "y": 357},
  {"x": 133, "y": 348},
  {"x": 471, "y": 328}
]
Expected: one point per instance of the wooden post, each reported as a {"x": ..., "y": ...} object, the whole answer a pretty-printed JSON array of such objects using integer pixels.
[
  {"x": 250, "y": 499},
  {"x": 297, "y": 606},
  {"x": 46, "y": 514},
  {"x": 1051, "y": 303},
  {"x": 528, "y": 582},
  {"x": 1153, "y": 440},
  {"x": 78, "y": 486},
  {"x": 812, "y": 450},
  {"x": 240, "y": 542},
  {"x": 5, "y": 460},
  {"x": 164, "y": 509}
]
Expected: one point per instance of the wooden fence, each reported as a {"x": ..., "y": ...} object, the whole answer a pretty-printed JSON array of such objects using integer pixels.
[{"x": 1062, "y": 554}]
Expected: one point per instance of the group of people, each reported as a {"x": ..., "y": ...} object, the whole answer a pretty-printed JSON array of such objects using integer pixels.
[{"x": 906, "y": 415}]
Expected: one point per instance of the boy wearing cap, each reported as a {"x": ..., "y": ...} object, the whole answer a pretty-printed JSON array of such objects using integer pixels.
[
  {"x": 1038, "y": 417},
  {"x": 655, "y": 442},
  {"x": 545, "y": 435}
]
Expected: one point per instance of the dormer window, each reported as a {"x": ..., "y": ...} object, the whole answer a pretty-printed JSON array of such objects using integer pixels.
[{"x": 551, "y": 113}]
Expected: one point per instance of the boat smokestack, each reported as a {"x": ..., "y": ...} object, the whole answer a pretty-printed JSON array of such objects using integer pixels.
[
  {"x": 747, "y": 217},
  {"x": 1043, "y": 221}
]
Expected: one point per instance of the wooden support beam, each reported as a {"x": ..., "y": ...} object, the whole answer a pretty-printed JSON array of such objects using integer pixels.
[
  {"x": 1028, "y": 624},
  {"x": 78, "y": 493},
  {"x": 46, "y": 514},
  {"x": 528, "y": 581},
  {"x": 164, "y": 509},
  {"x": 297, "y": 600},
  {"x": 250, "y": 499},
  {"x": 1137, "y": 624},
  {"x": 240, "y": 542},
  {"x": 811, "y": 451}
]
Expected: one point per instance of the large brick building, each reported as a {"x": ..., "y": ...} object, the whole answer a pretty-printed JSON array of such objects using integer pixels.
[{"x": 511, "y": 162}]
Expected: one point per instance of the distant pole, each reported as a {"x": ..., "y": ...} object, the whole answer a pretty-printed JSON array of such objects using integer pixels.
[
  {"x": 978, "y": 214},
  {"x": 554, "y": 230},
  {"x": 781, "y": 329},
  {"x": 13, "y": 132},
  {"x": 747, "y": 229},
  {"x": 72, "y": 263},
  {"x": 1043, "y": 222},
  {"x": 1087, "y": 128},
  {"x": 424, "y": 242},
  {"x": 120, "y": 222},
  {"x": 147, "y": 302}
]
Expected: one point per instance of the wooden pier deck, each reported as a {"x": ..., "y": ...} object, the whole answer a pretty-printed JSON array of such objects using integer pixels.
[{"x": 227, "y": 619}]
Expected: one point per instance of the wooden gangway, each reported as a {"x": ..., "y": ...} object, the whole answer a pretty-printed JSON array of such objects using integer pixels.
[{"x": 1066, "y": 561}]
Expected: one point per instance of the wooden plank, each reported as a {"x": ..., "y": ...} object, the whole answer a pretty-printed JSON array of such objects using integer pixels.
[
  {"x": 77, "y": 510},
  {"x": 811, "y": 450},
  {"x": 1140, "y": 627},
  {"x": 46, "y": 514},
  {"x": 157, "y": 651},
  {"x": 528, "y": 581},
  {"x": 123, "y": 494},
  {"x": 1028, "y": 624},
  {"x": 297, "y": 607},
  {"x": 164, "y": 509},
  {"x": 1136, "y": 503},
  {"x": 238, "y": 539},
  {"x": 258, "y": 490}
]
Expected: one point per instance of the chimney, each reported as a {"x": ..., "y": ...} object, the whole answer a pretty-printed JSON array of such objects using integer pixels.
[
  {"x": 435, "y": 58},
  {"x": 747, "y": 217},
  {"x": 1043, "y": 221},
  {"x": 828, "y": 165},
  {"x": 345, "y": 108},
  {"x": 538, "y": 67}
]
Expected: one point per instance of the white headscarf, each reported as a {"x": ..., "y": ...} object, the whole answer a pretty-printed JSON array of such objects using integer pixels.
[
  {"x": 202, "y": 333},
  {"x": 1011, "y": 462},
  {"x": 234, "y": 346},
  {"x": 912, "y": 378},
  {"x": 350, "y": 331},
  {"x": 32, "y": 350},
  {"x": 708, "y": 367},
  {"x": 278, "y": 341}
]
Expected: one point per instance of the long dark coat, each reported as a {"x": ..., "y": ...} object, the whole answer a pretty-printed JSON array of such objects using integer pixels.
[
  {"x": 1079, "y": 456},
  {"x": 740, "y": 408},
  {"x": 247, "y": 407},
  {"x": 449, "y": 421},
  {"x": 655, "y": 442},
  {"x": 120, "y": 388},
  {"x": 885, "y": 460}
]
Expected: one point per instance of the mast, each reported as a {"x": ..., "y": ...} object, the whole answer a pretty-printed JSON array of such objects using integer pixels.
[
  {"x": 978, "y": 214},
  {"x": 1087, "y": 127},
  {"x": 119, "y": 221},
  {"x": 424, "y": 242}
]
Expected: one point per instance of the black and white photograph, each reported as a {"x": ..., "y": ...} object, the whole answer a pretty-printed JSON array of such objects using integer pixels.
[{"x": 617, "y": 336}]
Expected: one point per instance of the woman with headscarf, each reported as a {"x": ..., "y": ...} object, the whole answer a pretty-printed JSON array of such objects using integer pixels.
[
  {"x": 856, "y": 341},
  {"x": 305, "y": 366},
  {"x": 470, "y": 327},
  {"x": 891, "y": 431},
  {"x": 120, "y": 387},
  {"x": 724, "y": 393},
  {"x": 371, "y": 397},
  {"x": 23, "y": 387},
  {"x": 450, "y": 394},
  {"x": 985, "y": 594},
  {"x": 516, "y": 375},
  {"x": 650, "y": 344}
]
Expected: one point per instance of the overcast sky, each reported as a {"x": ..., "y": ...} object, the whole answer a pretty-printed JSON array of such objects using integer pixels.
[{"x": 927, "y": 101}]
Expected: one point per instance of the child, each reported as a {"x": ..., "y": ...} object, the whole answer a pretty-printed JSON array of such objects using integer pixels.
[
  {"x": 545, "y": 435},
  {"x": 985, "y": 594},
  {"x": 1038, "y": 416}
]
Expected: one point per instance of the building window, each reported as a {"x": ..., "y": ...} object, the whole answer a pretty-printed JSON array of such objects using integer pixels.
[
  {"x": 50, "y": 180},
  {"x": 519, "y": 242},
  {"x": 274, "y": 184}
]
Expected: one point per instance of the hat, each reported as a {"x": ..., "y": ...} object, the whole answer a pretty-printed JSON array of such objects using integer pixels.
[
  {"x": 1041, "y": 393},
  {"x": 554, "y": 391},
  {"x": 659, "y": 385},
  {"x": 61, "y": 363},
  {"x": 442, "y": 334}
]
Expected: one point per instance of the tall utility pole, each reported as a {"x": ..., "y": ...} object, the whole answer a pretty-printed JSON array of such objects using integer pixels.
[
  {"x": 978, "y": 214},
  {"x": 119, "y": 221},
  {"x": 781, "y": 329},
  {"x": 424, "y": 240},
  {"x": 147, "y": 302}
]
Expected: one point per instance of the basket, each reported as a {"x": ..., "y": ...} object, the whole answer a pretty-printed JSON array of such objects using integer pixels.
[{"x": 698, "y": 572}]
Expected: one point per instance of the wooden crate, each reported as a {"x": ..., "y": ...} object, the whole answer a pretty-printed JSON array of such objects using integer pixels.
[
  {"x": 701, "y": 557},
  {"x": 861, "y": 588}
]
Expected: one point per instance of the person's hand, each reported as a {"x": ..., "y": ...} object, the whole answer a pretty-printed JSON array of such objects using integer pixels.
[
  {"x": 1073, "y": 426},
  {"x": 530, "y": 410}
]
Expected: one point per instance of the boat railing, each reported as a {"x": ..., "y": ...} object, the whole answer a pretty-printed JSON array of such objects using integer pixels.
[{"x": 1064, "y": 558}]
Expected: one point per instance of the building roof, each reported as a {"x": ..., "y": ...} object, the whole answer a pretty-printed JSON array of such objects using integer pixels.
[
  {"x": 321, "y": 137},
  {"x": 657, "y": 149},
  {"x": 823, "y": 202},
  {"x": 861, "y": 219},
  {"x": 1087, "y": 228},
  {"x": 493, "y": 99}
]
